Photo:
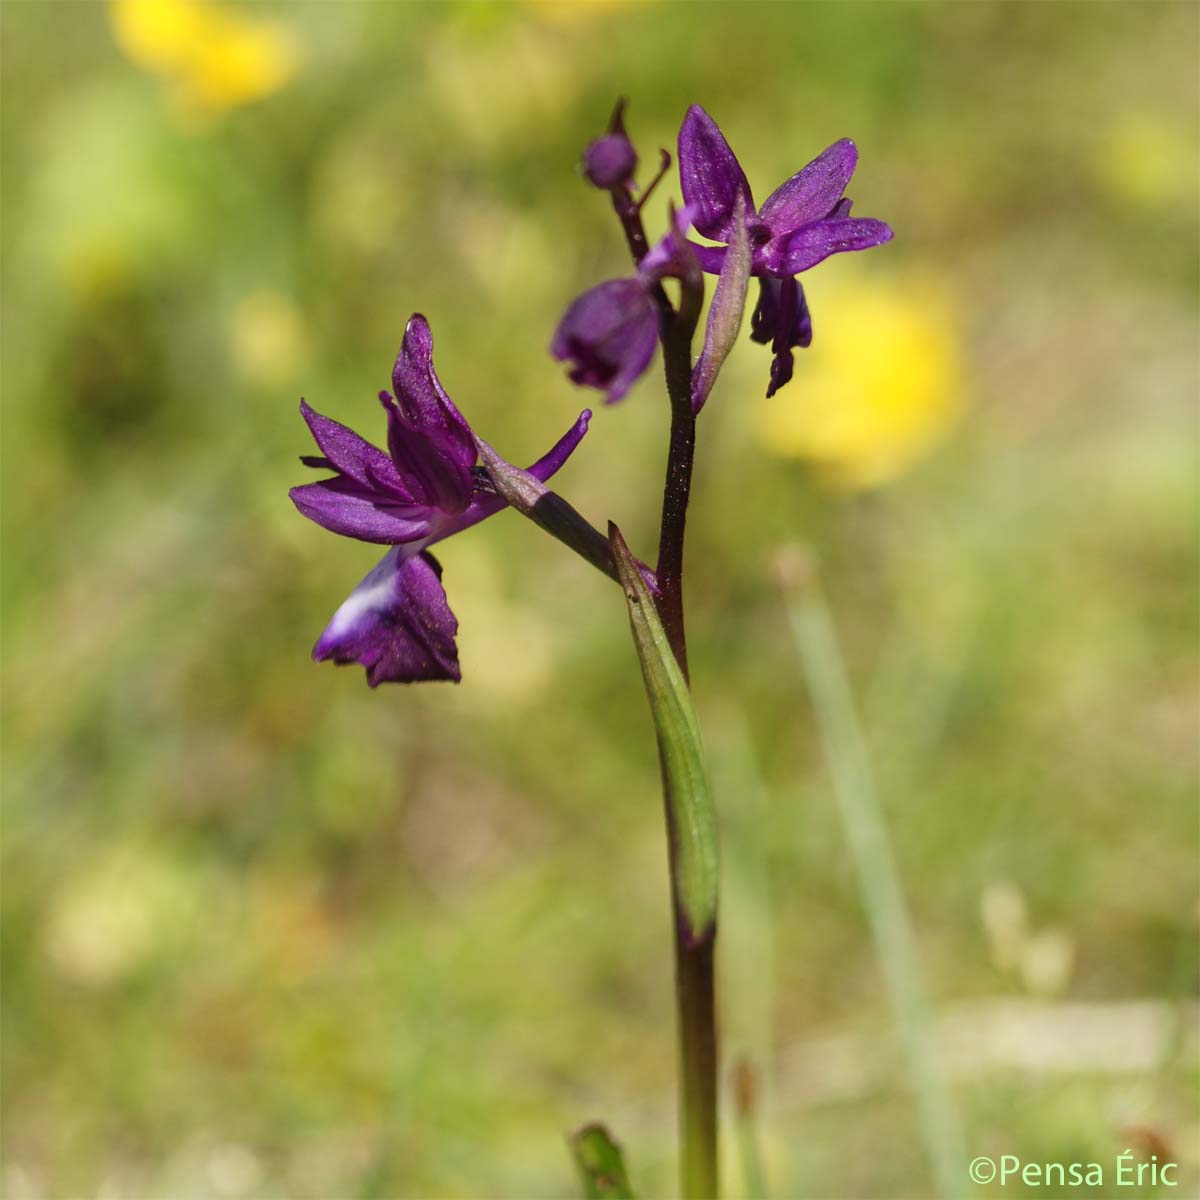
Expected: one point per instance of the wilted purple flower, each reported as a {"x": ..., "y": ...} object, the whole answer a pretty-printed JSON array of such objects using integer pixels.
[
  {"x": 397, "y": 622},
  {"x": 609, "y": 333},
  {"x": 803, "y": 221}
]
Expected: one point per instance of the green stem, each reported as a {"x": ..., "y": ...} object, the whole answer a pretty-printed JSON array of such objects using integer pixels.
[
  {"x": 693, "y": 857},
  {"x": 549, "y": 511},
  {"x": 694, "y": 992}
]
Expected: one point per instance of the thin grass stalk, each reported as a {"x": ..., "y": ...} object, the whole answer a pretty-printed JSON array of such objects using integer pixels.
[{"x": 879, "y": 881}]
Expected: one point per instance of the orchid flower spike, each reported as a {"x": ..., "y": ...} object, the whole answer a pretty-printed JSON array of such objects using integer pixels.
[
  {"x": 802, "y": 222},
  {"x": 397, "y": 622}
]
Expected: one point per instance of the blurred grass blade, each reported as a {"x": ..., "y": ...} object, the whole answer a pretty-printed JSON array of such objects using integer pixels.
[
  {"x": 745, "y": 1097},
  {"x": 878, "y": 878},
  {"x": 685, "y": 773},
  {"x": 601, "y": 1164}
]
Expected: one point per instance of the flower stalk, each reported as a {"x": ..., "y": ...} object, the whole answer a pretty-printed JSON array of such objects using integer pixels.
[
  {"x": 677, "y": 488},
  {"x": 528, "y": 495},
  {"x": 695, "y": 988},
  {"x": 694, "y": 865}
]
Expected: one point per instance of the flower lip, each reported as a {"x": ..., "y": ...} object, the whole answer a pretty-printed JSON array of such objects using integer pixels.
[
  {"x": 396, "y": 623},
  {"x": 782, "y": 319}
]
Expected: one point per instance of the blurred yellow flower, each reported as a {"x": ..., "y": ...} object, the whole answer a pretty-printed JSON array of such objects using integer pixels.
[
  {"x": 880, "y": 385},
  {"x": 1145, "y": 161},
  {"x": 107, "y": 920},
  {"x": 214, "y": 57}
]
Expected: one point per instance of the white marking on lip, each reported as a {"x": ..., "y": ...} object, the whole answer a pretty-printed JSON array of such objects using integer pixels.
[{"x": 375, "y": 594}]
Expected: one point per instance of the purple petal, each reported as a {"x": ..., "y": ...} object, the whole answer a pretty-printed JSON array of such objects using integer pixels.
[
  {"x": 343, "y": 506},
  {"x": 673, "y": 253},
  {"x": 813, "y": 192},
  {"x": 396, "y": 623},
  {"x": 808, "y": 246},
  {"x": 428, "y": 462},
  {"x": 557, "y": 455},
  {"x": 486, "y": 504},
  {"x": 710, "y": 175},
  {"x": 422, "y": 399},
  {"x": 352, "y": 455},
  {"x": 712, "y": 259},
  {"x": 608, "y": 335}
]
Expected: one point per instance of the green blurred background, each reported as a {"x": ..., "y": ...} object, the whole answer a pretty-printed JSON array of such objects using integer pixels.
[{"x": 268, "y": 933}]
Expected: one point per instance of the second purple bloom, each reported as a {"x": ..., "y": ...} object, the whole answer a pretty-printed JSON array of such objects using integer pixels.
[{"x": 397, "y": 623}]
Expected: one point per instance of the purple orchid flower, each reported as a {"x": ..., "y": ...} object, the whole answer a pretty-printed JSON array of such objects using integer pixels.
[
  {"x": 397, "y": 622},
  {"x": 608, "y": 334},
  {"x": 802, "y": 222}
]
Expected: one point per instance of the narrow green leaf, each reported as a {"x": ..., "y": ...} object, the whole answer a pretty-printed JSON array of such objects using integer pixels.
[
  {"x": 690, "y": 809},
  {"x": 601, "y": 1164}
]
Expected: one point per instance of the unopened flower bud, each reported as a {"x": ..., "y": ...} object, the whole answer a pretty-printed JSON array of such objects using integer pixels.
[{"x": 610, "y": 161}]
